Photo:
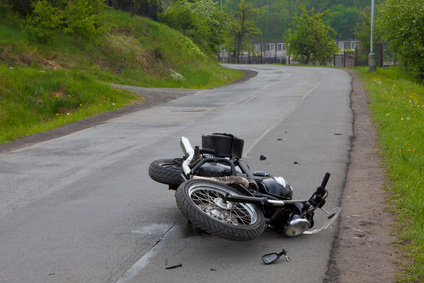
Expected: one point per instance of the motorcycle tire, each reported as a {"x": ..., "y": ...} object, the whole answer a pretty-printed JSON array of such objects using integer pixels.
[
  {"x": 200, "y": 201},
  {"x": 167, "y": 171}
]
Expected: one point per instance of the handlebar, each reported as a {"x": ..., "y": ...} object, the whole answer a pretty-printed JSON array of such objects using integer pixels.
[
  {"x": 261, "y": 200},
  {"x": 318, "y": 198},
  {"x": 325, "y": 180}
]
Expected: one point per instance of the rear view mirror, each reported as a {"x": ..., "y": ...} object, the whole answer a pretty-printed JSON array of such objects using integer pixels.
[{"x": 270, "y": 258}]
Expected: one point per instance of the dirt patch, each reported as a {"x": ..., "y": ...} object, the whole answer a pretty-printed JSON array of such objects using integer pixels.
[{"x": 363, "y": 250}]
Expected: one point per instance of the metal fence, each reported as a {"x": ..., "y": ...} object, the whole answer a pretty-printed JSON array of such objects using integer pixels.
[
  {"x": 348, "y": 58},
  {"x": 358, "y": 57},
  {"x": 248, "y": 59}
]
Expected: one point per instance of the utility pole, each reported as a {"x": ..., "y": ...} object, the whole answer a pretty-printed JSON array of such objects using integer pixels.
[{"x": 372, "y": 67}]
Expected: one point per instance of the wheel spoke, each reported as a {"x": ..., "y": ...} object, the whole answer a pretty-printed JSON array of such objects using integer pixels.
[
  {"x": 205, "y": 199},
  {"x": 242, "y": 216}
]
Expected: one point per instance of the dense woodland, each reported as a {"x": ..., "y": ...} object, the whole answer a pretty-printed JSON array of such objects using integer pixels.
[{"x": 274, "y": 16}]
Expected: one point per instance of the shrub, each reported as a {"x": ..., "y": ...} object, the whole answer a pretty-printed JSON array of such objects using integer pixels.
[
  {"x": 81, "y": 19},
  {"x": 86, "y": 19},
  {"x": 201, "y": 20},
  {"x": 404, "y": 29},
  {"x": 44, "y": 22}
]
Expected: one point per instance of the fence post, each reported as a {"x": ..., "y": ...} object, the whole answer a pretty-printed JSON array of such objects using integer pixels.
[
  {"x": 344, "y": 58},
  {"x": 381, "y": 54},
  {"x": 356, "y": 56}
]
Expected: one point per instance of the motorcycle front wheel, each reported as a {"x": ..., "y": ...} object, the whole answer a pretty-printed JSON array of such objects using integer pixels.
[{"x": 202, "y": 203}]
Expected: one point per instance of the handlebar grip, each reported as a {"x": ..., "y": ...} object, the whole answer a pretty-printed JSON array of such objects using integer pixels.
[{"x": 325, "y": 180}]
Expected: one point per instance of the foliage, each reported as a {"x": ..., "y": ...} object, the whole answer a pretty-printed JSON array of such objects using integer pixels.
[
  {"x": 86, "y": 19},
  {"x": 243, "y": 28},
  {"x": 397, "y": 107},
  {"x": 5, "y": 9},
  {"x": 404, "y": 28},
  {"x": 273, "y": 18},
  {"x": 363, "y": 32},
  {"x": 44, "y": 22},
  {"x": 21, "y": 7},
  {"x": 201, "y": 20},
  {"x": 83, "y": 19},
  {"x": 25, "y": 7},
  {"x": 144, "y": 8},
  {"x": 343, "y": 20},
  {"x": 311, "y": 40},
  {"x": 147, "y": 8}
]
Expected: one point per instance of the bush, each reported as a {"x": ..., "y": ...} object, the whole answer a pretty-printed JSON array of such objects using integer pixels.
[
  {"x": 86, "y": 19},
  {"x": 81, "y": 19},
  {"x": 403, "y": 26},
  {"x": 44, "y": 22},
  {"x": 200, "y": 20}
]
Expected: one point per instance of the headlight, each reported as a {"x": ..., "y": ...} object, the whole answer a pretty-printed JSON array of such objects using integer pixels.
[{"x": 296, "y": 226}]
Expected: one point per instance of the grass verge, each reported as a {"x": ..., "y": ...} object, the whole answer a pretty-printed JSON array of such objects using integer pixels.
[
  {"x": 397, "y": 107},
  {"x": 34, "y": 101}
]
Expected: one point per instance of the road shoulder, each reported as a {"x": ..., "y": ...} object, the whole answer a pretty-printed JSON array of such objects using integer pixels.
[{"x": 363, "y": 250}]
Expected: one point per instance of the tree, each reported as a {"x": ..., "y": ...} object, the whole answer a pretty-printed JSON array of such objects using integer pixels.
[
  {"x": 199, "y": 19},
  {"x": 243, "y": 28},
  {"x": 404, "y": 28},
  {"x": 144, "y": 8},
  {"x": 343, "y": 21},
  {"x": 311, "y": 40},
  {"x": 363, "y": 32}
]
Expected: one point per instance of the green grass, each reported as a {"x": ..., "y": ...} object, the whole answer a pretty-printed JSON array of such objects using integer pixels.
[
  {"x": 34, "y": 101},
  {"x": 397, "y": 106},
  {"x": 44, "y": 86}
]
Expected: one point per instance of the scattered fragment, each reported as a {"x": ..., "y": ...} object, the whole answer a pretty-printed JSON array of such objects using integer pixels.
[{"x": 174, "y": 266}]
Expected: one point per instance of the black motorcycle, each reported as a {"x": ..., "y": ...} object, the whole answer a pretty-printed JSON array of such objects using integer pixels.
[{"x": 217, "y": 192}]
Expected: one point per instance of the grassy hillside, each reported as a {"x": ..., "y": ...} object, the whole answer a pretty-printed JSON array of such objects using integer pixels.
[{"x": 43, "y": 86}]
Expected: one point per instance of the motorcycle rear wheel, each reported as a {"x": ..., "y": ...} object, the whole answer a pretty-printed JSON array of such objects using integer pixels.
[
  {"x": 167, "y": 171},
  {"x": 201, "y": 202}
]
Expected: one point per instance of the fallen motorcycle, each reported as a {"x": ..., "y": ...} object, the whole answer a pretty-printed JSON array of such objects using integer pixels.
[{"x": 217, "y": 192}]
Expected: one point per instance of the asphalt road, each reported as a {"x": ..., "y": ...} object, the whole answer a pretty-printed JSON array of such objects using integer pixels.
[{"x": 82, "y": 208}]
